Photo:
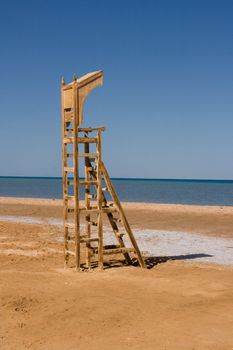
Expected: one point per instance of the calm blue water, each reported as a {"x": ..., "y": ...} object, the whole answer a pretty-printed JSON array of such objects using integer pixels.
[{"x": 201, "y": 192}]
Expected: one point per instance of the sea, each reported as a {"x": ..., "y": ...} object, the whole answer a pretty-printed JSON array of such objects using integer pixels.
[{"x": 172, "y": 191}]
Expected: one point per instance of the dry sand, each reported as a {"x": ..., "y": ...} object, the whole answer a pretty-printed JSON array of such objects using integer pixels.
[{"x": 174, "y": 305}]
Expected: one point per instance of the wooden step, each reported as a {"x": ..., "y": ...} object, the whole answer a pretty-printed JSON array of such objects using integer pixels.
[
  {"x": 71, "y": 236},
  {"x": 96, "y": 210},
  {"x": 88, "y": 155},
  {"x": 109, "y": 210},
  {"x": 93, "y": 223},
  {"x": 118, "y": 251},
  {"x": 89, "y": 210},
  {"x": 69, "y": 225},
  {"x": 89, "y": 240},
  {"x": 68, "y": 252},
  {"x": 69, "y": 197},
  {"x": 68, "y": 169},
  {"x": 68, "y": 140},
  {"x": 91, "y": 168},
  {"x": 70, "y": 182},
  {"x": 116, "y": 220},
  {"x": 114, "y": 250},
  {"x": 92, "y": 196},
  {"x": 101, "y": 128},
  {"x": 88, "y": 183},
  {"x": 87, "y": 140},
  {"x": 68, "y": 116},
  {"x": 69, "y": 132},
  {"x": 83, "y": 183}
]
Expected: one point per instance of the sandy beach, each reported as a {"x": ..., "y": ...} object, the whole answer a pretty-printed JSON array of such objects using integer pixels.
[{"x": 183, "y": 301}]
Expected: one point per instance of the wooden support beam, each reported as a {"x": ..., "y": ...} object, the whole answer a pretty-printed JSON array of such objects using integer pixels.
[{"x": 124, "y": 219}]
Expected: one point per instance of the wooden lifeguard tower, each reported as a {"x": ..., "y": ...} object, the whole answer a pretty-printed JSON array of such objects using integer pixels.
[{"x": 83, "y": 220}]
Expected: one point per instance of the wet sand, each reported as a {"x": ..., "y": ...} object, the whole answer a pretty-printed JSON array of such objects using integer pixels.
[{"x": 174, "y": 305}]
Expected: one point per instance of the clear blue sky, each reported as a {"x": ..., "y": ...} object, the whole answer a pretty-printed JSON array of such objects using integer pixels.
[{"x": 167, "y": 99}]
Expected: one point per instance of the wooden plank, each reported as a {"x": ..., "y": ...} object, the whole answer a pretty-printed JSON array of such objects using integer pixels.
[
  {"x": 88, "y": 241},
  {"x": 99, "y": 202},
  {"x": 64, "y": 181},
  {"x": 100, "y": 128},
  {"x": 70, "y": 197},
  {"x": 68, "y": 169},
  {"x": 87, "y": 140},
  {"x": 118, "y": 251},
  {"x": 88, "y": 183},
  {"x": 68, "y": 140},
  {"x": 87, "y": 205},
  {"x": 76, "y": 176},
  {"x": 69, "y": 132},
  {"x": 88, "y": 155},
  {"x": 69, "y": 252},
  {"x": 70, "y": 225},
  {"x": 124, "y": 219}
]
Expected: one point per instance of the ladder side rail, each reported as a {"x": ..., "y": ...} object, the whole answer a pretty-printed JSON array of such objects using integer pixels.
[
  {"x": 64, "y": 181},
  {"x": 124, "y": 219},
  {"x": 99, "y": 201},
  {"x": 87, "y": 205},
  {"x": 76, "y": 176}
]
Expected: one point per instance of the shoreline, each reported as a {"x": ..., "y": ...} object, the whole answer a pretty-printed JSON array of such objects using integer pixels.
[
  {"x": 214, "y": 221},
  {"x": 142, "y": 205}
]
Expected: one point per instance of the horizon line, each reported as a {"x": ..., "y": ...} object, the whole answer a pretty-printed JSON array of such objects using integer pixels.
[{"x": 121, "y": 178}]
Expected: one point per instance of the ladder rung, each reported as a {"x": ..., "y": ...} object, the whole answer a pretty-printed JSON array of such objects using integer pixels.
[
  {"x": 70, "y": 197},
  {"x": 118, "y": 250},
  {"x": 88, "y": 155},
  {"x": 88, "y": 183},
  {"x": 68, "y": 140},
  {"x": 89, "y": 210},
  {"x": 83, "y": 183},
  {"x": 72, "y": 237},
  {"x": 68, "y": 115},
  {"x": 68, "y": 252},
  {"x": 92, "y": 196},
  {"x": 116, "y": 219},
  {"x": 89, "y": 240},
  {"x": 70, "y": 210},
  {"x": 93, "y": 223},
  {"x": 69, "y": 225},
  {"x": 109, "y": 210},
  {"x": 70, "y": 182},
  {"x": 68, "y": 169},
  {"x": 95, "y": 209},
  {"x": 91, "y": 168},
  {"x": 101, "y": 128},
  {"x": 87, "y": 140},
  {"x": 69, "y": 132}
]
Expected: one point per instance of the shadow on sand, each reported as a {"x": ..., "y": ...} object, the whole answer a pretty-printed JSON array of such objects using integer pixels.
[{"x": 152, "y": 261}]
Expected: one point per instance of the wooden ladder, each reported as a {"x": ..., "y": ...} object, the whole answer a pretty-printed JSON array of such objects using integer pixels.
[{"x": 96, "y": 183}]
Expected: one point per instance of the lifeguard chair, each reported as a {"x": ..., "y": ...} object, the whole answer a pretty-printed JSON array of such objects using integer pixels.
[{"x": 83, "y": 220}]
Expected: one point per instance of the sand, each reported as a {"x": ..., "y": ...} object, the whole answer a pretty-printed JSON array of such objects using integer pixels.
[{"x": 182, "y": 302}]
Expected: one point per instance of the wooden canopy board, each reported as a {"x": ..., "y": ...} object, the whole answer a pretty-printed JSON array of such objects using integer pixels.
[{"x": 84, "y": 172}]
